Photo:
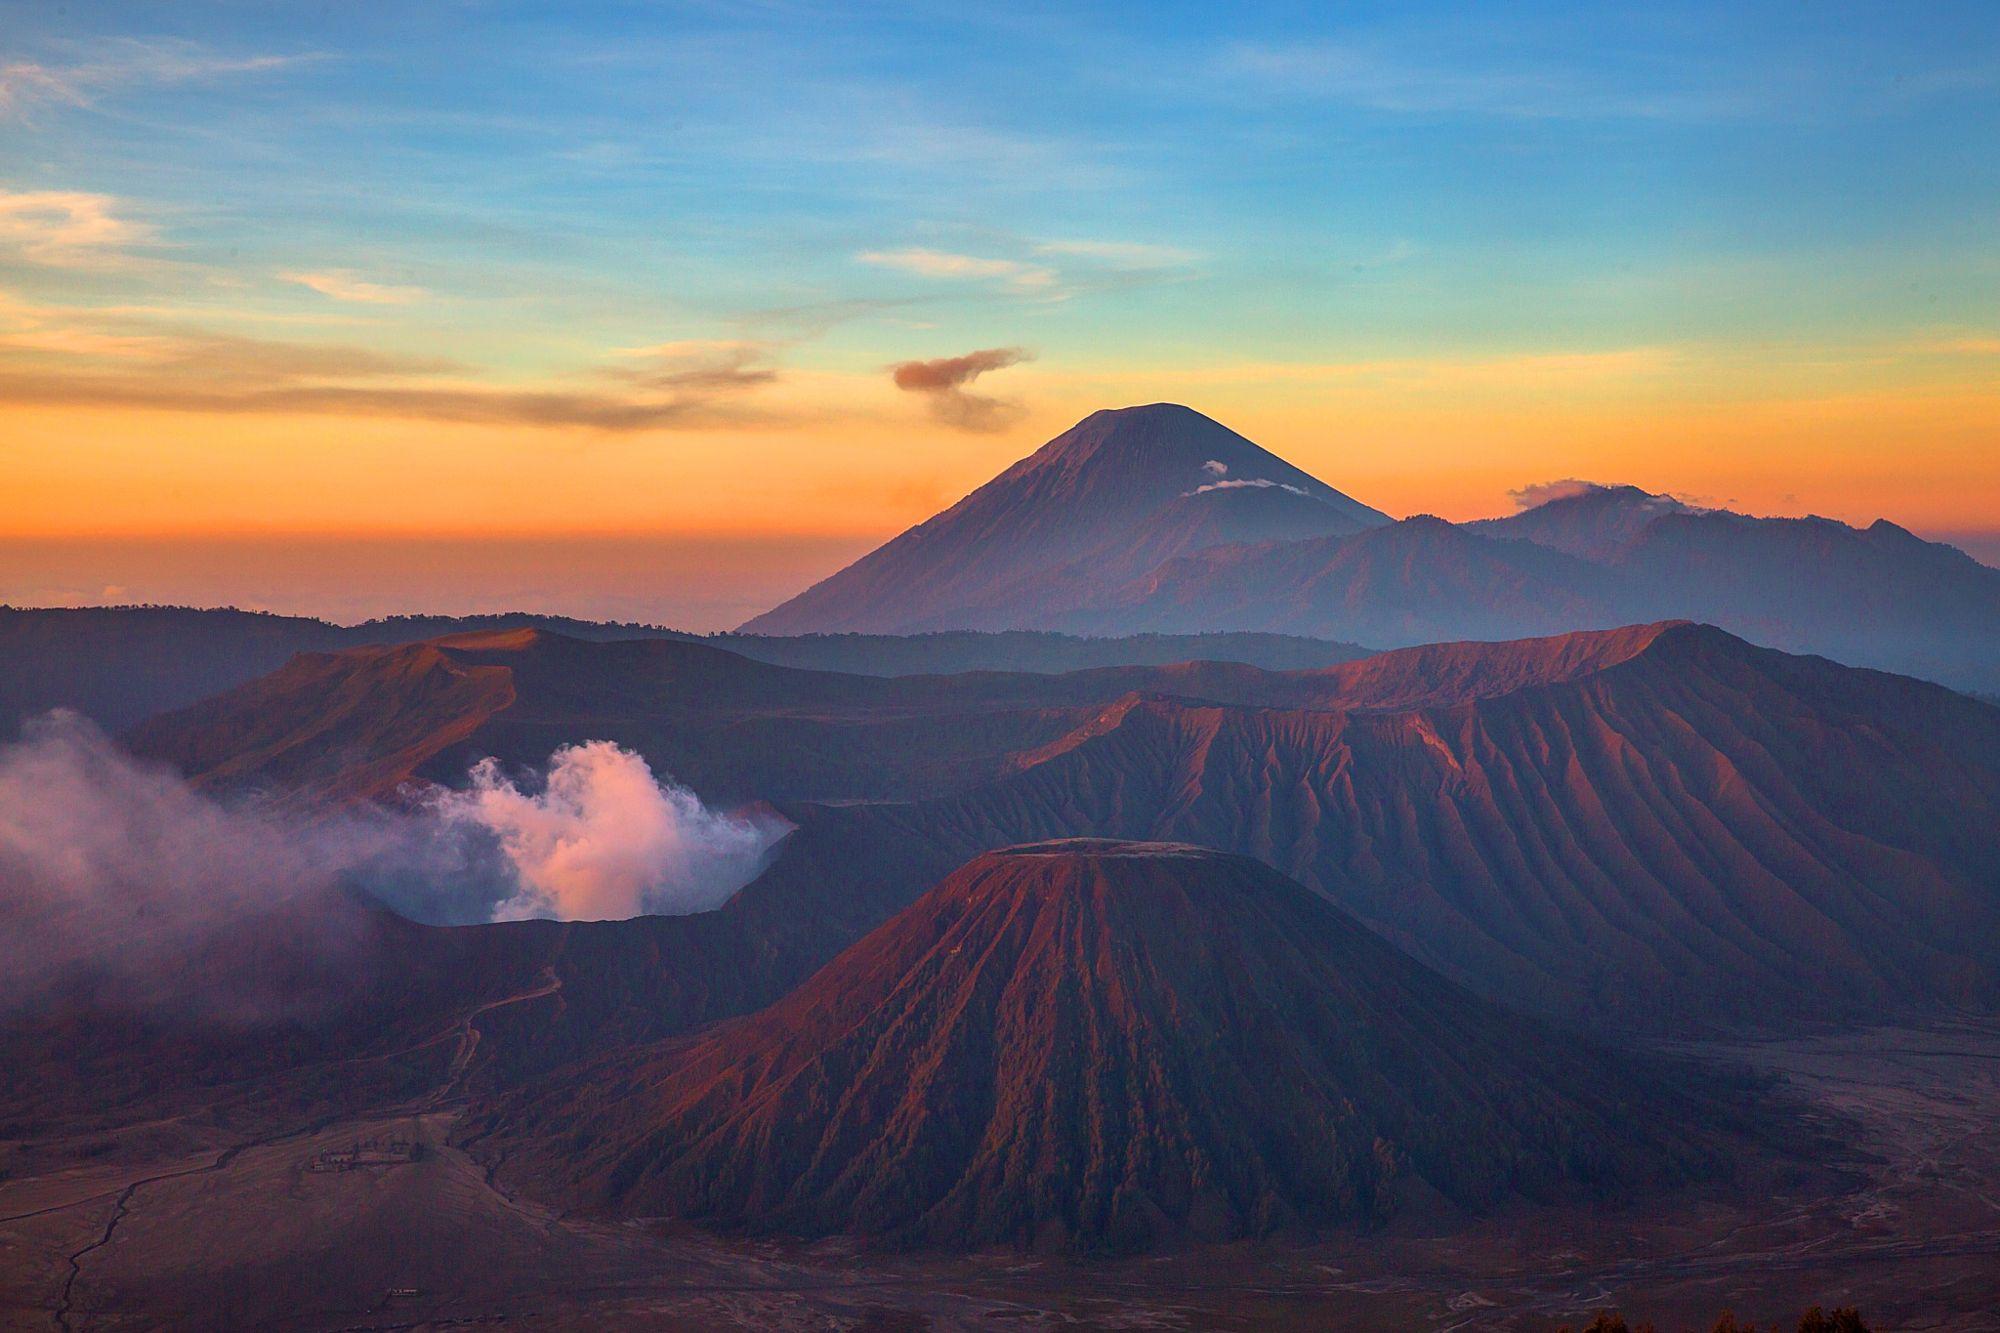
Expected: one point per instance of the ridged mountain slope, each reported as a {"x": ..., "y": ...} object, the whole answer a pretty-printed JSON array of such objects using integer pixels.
[
  {"x": 1091, "y": 1045},
  {"x": 1669, "y": 826}
]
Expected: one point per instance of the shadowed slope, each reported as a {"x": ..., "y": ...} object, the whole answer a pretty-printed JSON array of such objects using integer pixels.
[
  {"x": 356, "y": 725},
  {"x": 1438, "y": 674},
  {"x": 1096, "y": 1044},
  {"x": 1660, "y": 824},
  {"x": 1876, "y": 596},
  {"x": 1410, "y": 582},
  {"x": 328, "y": 1002},
  {"x": 1698, "y": 830}
]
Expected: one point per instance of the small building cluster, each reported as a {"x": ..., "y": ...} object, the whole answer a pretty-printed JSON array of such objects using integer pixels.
[{"x": 367, "y": 1152}]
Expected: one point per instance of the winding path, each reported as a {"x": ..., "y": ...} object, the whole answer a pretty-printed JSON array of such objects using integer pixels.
[{"x": 467, "y": 1033}]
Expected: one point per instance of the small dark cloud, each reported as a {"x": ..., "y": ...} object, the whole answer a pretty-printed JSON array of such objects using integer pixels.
[
  {"x": 942, "y": 381},
  {"x": 951, "y": 372}
]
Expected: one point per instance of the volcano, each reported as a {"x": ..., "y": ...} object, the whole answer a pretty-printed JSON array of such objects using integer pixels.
[
  {"x": 1107, "y": 499},
  {"x": 1157, "y": 520},
  {"x": 1104, "y": 1045}
]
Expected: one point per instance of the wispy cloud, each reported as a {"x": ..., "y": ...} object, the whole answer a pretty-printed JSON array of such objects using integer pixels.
[
  {"x": 1014, "y": 274},
  {"x": 1050, "y": 270},
  {"x": 1538, "y": 493},
  {"x": 696, "y": 366},
  {"x": 88, "y": 358},
  {"x": 1969, "y": 345},
  {"x": 1120, "y": 254},
  {"x": 815, "y": 319},
  {"x": 344, "y": 285},
  {"x": 479, "y": 405},
  {"x": 942, "y": 381},
  {"x": 67, "y": 228},
  {"x": 1383, "y": 80},
  {"x": 1569, "y": 369},
  {"x": 120, "y": 63},
  {"x": 1247, "y": 484}
]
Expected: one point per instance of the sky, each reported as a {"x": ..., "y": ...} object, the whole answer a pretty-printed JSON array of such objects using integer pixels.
[{"x": 661, "y": 311}]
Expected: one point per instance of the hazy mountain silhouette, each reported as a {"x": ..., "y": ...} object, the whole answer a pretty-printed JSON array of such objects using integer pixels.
[
  {"x": 120, "y": 665},
  {"x": 1592, "y": 523},
  {"x": 1099, "y": 532}
]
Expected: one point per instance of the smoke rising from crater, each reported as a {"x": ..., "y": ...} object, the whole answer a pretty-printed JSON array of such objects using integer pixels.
[
  {"x": 117, "y": 876},
  {"x": 606, "y": 839}
]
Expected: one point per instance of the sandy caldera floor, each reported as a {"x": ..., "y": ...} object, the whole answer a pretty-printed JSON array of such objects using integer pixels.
[{"x": 180, "y": 1223}]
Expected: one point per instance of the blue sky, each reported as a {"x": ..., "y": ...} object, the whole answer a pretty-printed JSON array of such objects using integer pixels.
[{"x": 1387, "y": 177}]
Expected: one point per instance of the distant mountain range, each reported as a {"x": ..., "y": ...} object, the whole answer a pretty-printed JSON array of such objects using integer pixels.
[
  {"x": 118, "y": 665},
  {"x": 1157, "y": 519},
  {"x": 1096, "y": 1045},
  {"x": 358, "y": 723}
]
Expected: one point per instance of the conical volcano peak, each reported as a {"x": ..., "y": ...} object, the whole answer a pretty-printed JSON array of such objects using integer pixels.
[
  {"x": 1153, "y": 416},
  {"x": 1175, "y": 444},
  {"x": 1093, "y": 508}
]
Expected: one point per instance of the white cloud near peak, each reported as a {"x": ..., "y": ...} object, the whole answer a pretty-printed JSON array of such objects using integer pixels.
[{"x": 119, "y": 63}]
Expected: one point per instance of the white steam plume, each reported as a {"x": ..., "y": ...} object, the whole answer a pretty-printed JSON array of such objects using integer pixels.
[
  {"x": 604, "y": 839},
  {"x": 119, "y": 880}
]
